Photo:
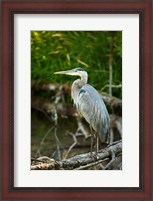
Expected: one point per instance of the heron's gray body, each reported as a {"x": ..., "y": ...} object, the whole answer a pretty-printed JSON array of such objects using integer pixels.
[{"x": 89, "y": 103}]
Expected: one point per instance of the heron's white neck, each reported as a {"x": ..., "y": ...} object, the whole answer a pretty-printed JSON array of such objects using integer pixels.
[
  {"x": 77, "y": 84},
  {"x": 84, "y": 76}
]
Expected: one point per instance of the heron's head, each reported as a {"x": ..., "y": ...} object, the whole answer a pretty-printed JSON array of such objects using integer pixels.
[{"x": 75, "y": 72}]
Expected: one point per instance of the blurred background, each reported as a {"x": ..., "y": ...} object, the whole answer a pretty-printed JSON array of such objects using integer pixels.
[{"x": 56, "y": 129}]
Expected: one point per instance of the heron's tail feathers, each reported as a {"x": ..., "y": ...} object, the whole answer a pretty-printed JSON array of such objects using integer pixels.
[{"x": 104, "y": 135}]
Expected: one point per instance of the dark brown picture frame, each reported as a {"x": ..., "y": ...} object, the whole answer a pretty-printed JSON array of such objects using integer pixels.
[{"x": 11, "y": 7}]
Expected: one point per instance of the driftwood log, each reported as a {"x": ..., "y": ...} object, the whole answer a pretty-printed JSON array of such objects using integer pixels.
[
  {"x": 107, "y": 156},
  {"x": 38, "y": 103}
]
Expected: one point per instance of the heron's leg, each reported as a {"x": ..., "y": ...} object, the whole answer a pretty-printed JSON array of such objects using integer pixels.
[
  {"x": 92, "y": 140},
  {"x": 91, "y": 144},
  {"x": 92, "y": 137},
  {"x": 97, "y": 143},
  {"x": 110, "y": 137}
]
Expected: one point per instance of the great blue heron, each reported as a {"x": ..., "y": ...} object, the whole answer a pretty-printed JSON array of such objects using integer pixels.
[{"x": 89, "y": 104}]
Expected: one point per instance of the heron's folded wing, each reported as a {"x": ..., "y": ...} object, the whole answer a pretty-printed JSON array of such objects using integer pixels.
[{"x": 91, "y": 106}]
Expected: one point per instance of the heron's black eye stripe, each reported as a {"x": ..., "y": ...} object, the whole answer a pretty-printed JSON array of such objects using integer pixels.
[
  {"x": 79, "y": 69},
  {"x": 82, "y": 91}
]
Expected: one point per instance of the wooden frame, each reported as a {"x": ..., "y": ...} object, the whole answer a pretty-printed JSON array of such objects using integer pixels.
[{"x": 9, "y": 9}]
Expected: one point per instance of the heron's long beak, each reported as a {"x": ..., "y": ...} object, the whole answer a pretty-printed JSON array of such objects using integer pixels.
[{"x": 67, "y": 72}]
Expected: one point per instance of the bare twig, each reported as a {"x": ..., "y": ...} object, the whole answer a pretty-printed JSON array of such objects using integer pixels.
[
  {"x": 112, "y": 160},
  {"x": 111, "y": 51},
  {"x": 43, "y": 139},
  {"x": 57, "y": 145},
  {"x": 71, "y": 147},
  {"x": 42, "y": 142},
  {"x": 81, "y": 129},
  {"x": 112, "y": 86},
  {"x": 91, "y": 164}
]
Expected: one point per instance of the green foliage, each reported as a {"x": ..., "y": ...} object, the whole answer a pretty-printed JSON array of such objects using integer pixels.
[{"x": 53, "y": 51}]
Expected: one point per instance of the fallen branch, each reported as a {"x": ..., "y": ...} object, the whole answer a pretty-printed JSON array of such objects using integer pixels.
[
  {"x": 74, "y": 143},
  {"x": 38, "y": 103},
  {"x": 81, "y": 161}
]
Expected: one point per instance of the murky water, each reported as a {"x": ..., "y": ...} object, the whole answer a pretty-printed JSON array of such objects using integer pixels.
[{"x": 51, "y": 141}]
